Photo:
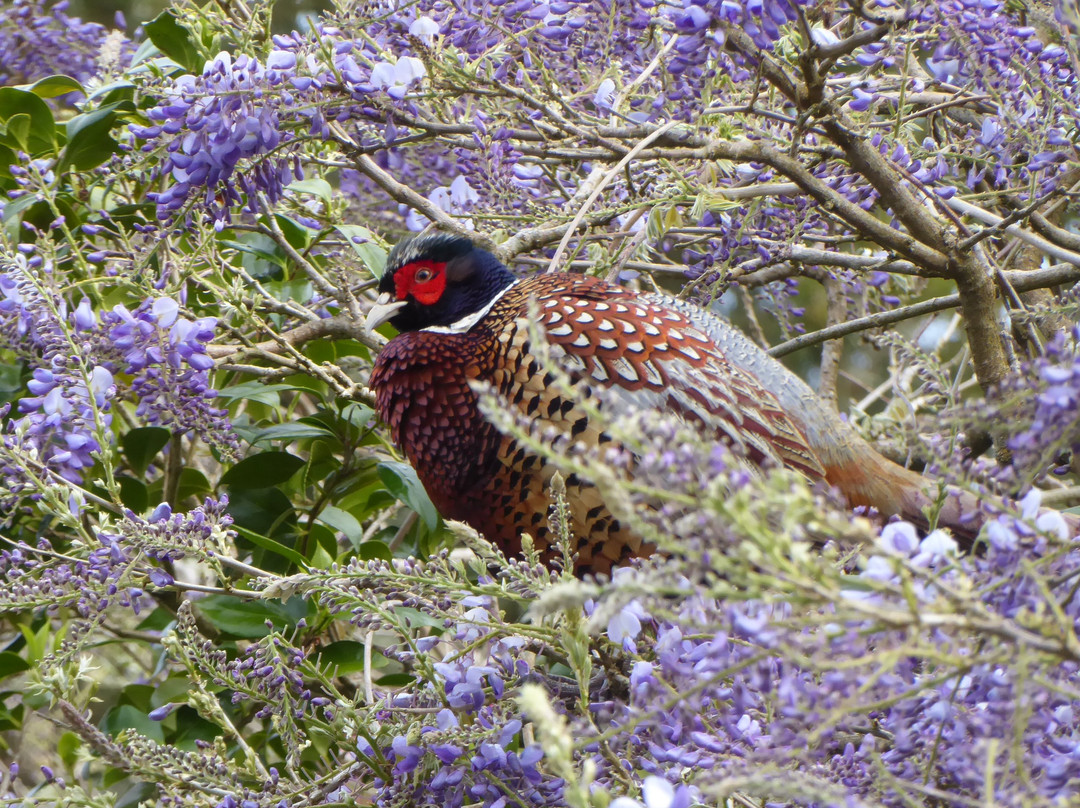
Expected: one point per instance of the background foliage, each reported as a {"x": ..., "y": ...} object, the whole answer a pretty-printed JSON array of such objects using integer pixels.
[{"x": 211, "y": 591}]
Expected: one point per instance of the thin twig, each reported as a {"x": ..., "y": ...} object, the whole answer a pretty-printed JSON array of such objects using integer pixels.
[{"x": 607, "y": 178}]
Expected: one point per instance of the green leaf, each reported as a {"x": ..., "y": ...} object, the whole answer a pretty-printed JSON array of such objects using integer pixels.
[
  {"x": 15, "y": 207},
  {"x": 68, "y": 747},
  {"x": 247, "y": 618},
  {"x": 298, "y": 236},
  {"x": 266, "y": 511},
  {"x": 114, "y": 91},
  {"x": 262, "y": 248},
  {"x": 362, "y": 240},
  {"x": 256, "y": 391},
  {"x": 396, "y": 680},
  {"x": 174, "y": 689},
  {"x": 7, "y": 160},
  {"x": 342, "y": 657},
  {"x": 42, "y": 133},
  {"x": 158, "y": 620},
  {"x": 415, "y": 618},
  {"x": 316, "y": 186},
  {"x": 133, "y": 493},
  {"x": 142, "y": 444},
  {"x": 18, "y": 130},
  {"x": 175, "y": 41},
  {"x": 400, "y": 480},
  {"x": 275, "y": 547},
  {"x": 193, "y": 483},
  {"x": 262, "y": 470},
  {"x": 357, "y": 414},
  {"x": 52, "y": 86},
  {"x": 128, "y": 717},
  {"x": 89, "y": 143},
  {"x": 344, "y": 522},
  {"x": 11, "y": 663},
  {"x": 294, "y": 431},
  {"x": 373, "y": 549}
]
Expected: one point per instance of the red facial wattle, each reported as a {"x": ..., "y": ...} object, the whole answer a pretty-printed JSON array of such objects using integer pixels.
[{"x": 425, "y": 281}]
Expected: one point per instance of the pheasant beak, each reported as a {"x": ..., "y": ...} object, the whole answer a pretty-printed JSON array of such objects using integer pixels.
[{"x": 382, "y": 311}]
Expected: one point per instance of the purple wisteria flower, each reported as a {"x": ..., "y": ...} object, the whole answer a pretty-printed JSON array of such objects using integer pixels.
[
  {"x": 213, "y": 122},
  {"x": 78, "y": 356},
  {"x": 39, "y": 39}
]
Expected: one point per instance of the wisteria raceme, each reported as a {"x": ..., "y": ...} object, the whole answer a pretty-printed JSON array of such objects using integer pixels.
[
  {"x": 763, "y": 686},
  {"x": 166, "y": 355},
  {"x": 67, "y": 413},
  {"x": 79, "y": 354},
  {"x": 110, "y": 574},
  {"x": 88, "y": 586},
  {"x": 202, "y": 532},
  {"x": 1043, "y": 400},
  {"x": 229, "y": 114},
  {"x": 39, "y": 39},
  {"x": 470, "y": 752}
]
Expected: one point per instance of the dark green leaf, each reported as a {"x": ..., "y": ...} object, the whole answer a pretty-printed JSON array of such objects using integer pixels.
[
  {"x": 373, "y": 549},
  {"x": 298, "y": 236},
  {"x": 256, "y": 391},
  {"x": 400, "y": 480},
  {"x": 193, "y": 483},
  {"x": 273, "y": 546},
  {"x": 290, "y": 432},
  {"x": 128, "y": 717},
  {"x": 133, "y": 493},
  {"x": 18, "y": 130},
  {"x": 89, "y": 143},
  {"x": 142, "y": 444},
  {"x": 42, "y": 132},
  {"x": 11, "y": 719},
  {"x": 262, "y": 470},
  {"x": 266, "y": 511},
  {"x": 396, "y": 680},
  {"x": 7, "y": 160},
  {"x": 158, "y": 620},
  {"x": 247, "y": 618},
  {"x": 11, "y": 663},
  {"x": 344, "y": 657},
  {"x": 175, "y": 41},
  {"x": 138, "y": 696}
]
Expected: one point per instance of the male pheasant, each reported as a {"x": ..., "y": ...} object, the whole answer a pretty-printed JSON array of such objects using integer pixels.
[{"x": 461, "y": 315}]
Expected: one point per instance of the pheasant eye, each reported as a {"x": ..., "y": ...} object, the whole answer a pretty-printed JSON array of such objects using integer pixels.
[{"x": 423, "y": 275}]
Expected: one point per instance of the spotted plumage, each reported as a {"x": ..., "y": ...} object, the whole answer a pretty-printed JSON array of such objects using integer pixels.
[{"x": 463, "y": 319}]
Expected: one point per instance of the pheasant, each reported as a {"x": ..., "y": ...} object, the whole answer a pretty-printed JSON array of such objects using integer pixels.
[{"x": 461, "y": 317}]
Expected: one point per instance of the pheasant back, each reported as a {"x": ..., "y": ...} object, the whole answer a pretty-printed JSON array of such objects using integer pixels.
[{"x": 647, "y": 351}]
